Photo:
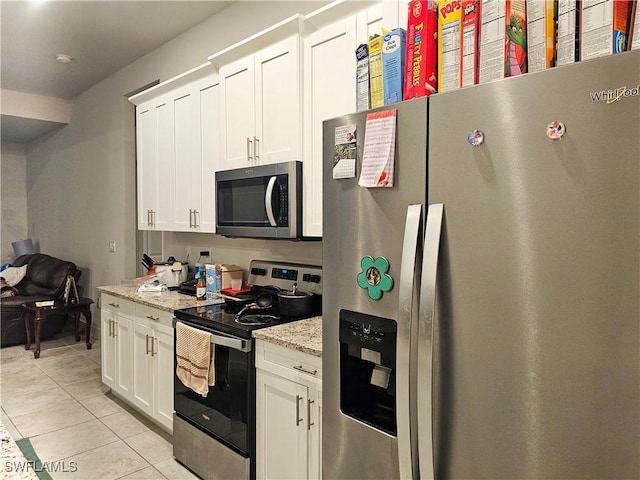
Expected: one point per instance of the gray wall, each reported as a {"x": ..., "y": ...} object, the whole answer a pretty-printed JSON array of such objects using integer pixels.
[
  {"x": 81, "y": 178},
  {"x": 13, "y": 198}
]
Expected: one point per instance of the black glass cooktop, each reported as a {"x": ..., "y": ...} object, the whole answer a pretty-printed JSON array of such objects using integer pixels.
[{"x": 217, "y": 318}]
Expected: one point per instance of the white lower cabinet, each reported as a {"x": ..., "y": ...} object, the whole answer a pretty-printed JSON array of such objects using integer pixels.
[
  {"x": 289, "y": 413},
  {"x": 116, "y": 339},
  {"x": 137, "y": 356}
]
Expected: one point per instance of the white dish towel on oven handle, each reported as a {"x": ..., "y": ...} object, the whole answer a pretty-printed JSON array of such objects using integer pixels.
[{"x": 195, "y": 358}]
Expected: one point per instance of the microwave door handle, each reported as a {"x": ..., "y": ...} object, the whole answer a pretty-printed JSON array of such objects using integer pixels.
[{"x": 267, "y": 201}]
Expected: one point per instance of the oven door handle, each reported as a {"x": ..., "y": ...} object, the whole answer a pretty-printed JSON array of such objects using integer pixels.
[{"x": 240, "y": 344}]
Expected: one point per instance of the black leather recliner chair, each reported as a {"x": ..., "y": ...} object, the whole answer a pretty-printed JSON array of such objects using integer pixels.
[{"x": 45, "y": 280}]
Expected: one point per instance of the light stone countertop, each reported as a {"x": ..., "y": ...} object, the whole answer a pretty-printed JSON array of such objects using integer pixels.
[
  {"x": 302, "y": 335},
  {"x": 14, "y": 463},
  {"x": 167, "y": 301}
]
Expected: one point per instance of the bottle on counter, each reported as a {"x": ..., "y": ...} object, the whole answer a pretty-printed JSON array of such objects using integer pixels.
[{"x": 201, "y": 287}]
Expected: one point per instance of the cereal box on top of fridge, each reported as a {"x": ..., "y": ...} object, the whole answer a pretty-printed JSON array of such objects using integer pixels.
[
  {"x": 363, "y": 101},
  {"x": 492, "y": 16},
  {"x": 421, "y": 76},
  {"x": 393, "y": 58},
  {"x": 568, "y": 44},
  {"x": 541, "y": 34},
  {"x": 376, "y": 88},
  {"x": 634, "y": 28},
  {"x": 470, "y": 42},
  {"x": 449, "y": 13},
  {"x": 515, "y": 48},
  {"x": 603, "y": 27}
]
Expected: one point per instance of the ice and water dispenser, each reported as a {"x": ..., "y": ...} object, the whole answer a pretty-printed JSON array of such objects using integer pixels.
[{"x": 368, "y": 369}]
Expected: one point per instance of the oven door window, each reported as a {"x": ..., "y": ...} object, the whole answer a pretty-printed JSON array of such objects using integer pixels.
[
  {"x": 223, "y": 412},
  {"x": 241, "y": 203}
]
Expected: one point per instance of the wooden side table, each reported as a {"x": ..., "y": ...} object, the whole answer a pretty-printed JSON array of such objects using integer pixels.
[{"x": 39, "y": 314}]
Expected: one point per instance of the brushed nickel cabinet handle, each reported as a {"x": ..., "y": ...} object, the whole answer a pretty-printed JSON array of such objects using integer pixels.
[
  {"x": 300, "y": 368},
  {"x": 309, "y": 422},
  {"x": 298, "y": 419},
  {"x": 255, "y": 148},
  {"x": 249, "y": 157},
  {"x": 146, "y": 344}
]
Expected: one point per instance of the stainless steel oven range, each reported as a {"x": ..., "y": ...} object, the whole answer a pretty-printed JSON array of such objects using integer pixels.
[{"x": 215, "y": 436}]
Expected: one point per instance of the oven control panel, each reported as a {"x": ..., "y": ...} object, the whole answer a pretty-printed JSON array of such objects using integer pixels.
[{"x": 284, "y": 275}]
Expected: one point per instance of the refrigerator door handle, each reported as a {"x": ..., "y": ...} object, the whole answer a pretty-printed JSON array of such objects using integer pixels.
[
  {"x": 405, "y": 402},
  {"x": 425, "y": 338}
]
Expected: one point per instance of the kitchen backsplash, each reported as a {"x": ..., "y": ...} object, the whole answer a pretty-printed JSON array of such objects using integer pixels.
[{"x": 240, "y": 251}]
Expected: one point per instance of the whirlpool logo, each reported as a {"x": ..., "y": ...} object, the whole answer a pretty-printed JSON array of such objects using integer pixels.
[{"x": 612, "y": 96}]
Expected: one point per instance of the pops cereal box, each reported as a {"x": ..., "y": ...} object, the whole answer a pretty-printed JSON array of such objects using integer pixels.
[
  {"x": 492, "y": 40},
  {"x": 568, "y": 44},
  {"x": 393, "y": 52},
  {"x": 515, "y": 49},
  {"x": 449, "y": 13},
  {"x": 603, "y": 27},
  {"x": 470, "y": 42},
  {"x": 541, "y": 34},
  {"x": 421, "y": 76}
]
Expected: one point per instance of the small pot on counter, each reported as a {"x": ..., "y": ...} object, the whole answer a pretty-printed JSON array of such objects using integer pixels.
[{"x": 295, "y": 303}]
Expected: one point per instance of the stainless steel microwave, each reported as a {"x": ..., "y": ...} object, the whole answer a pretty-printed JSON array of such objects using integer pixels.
[{"x": 263, "y": 201}]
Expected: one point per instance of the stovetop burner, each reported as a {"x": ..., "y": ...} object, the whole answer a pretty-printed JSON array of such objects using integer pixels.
[{"x": 256, "y": 319}]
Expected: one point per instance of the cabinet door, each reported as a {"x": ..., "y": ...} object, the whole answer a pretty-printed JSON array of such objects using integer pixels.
[
  {"x": 142, "y": 368},
  {"x": 329, "y": 91},
  {"x": 124, "y": 367},
  {"x": 164, "y": 373},
  {"x": 185, "y": 185},
  {"x": 314, "y": 427},
  {"x": 372, "y": 22},
  {"x": 209, "y": 94},
  {"x": 281, "y": 429},
  {"x": 108, "y": 348},
  {"x": 237, "y": 106},
  {"x": 278, "y": 103},
  {"x": 147, "y": 163}
]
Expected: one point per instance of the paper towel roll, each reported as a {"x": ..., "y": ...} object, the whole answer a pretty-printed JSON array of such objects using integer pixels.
[{"x": 23, "y": 247}]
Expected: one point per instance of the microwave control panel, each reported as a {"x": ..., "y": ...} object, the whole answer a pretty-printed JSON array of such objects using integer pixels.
[{"x": 284, "y": 275}]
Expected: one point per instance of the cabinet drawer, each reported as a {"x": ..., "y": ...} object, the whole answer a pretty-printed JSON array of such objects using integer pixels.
[
  {"x": 116, "y": 304},
  {"x": 288, "y": 363},
  {"x": 154, "y": 315}
]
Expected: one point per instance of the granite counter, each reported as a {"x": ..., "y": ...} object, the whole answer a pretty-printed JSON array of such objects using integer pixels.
[
  {"x": 167, "y": 301},
  {"x": 302, "y": 335}
]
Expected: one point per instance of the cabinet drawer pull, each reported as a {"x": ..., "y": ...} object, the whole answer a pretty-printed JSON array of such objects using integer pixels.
[
  {"x": 115, "y": 305},
  {"x": 298, "y": 419},
  {"x": 115, "y": 329},
  {"x": 146, "y": 344},
  {"x": 153, "y": 339},
  {"x": 151, "y": 317},
  {"x": 309, "y": 422},
  {"x": 300, "y": 368},
  {"x": 196, "y": 219},
  {"x": 110, "y": 328},
  {"x": 190, "y": 218},
  {"x": 249, "y": 150}
]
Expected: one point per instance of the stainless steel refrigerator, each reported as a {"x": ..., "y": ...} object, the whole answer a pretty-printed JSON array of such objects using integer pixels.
[{"x": 481, "y": 317}]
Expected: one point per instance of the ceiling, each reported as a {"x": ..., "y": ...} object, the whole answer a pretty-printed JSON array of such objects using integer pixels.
[{"x": 101, "y": 36}]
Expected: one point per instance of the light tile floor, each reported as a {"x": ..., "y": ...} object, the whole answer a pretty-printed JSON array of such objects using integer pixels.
[{"x": 59, "y": 402}]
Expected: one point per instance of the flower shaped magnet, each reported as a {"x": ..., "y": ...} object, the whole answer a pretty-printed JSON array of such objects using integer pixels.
[{"x": 374, "y": 276}]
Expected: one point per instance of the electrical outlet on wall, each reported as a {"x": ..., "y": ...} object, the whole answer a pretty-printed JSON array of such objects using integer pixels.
[{"x": 112, "y": 245}]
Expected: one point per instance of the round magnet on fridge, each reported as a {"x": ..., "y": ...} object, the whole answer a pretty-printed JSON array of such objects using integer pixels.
[
  {"x": 374, "y": 277},
  {"x": 556, "y": 130},
  {"x": 475, "y": 138}
]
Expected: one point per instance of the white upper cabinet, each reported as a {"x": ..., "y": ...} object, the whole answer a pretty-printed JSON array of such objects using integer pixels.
[
  {"x": 178, "y": 150},
  {"x": 260, "y": 107},
  {"x": 154, "y": 166},
  {"x": 329, "y": 91},
  {"x": 197, "y": 151}
]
